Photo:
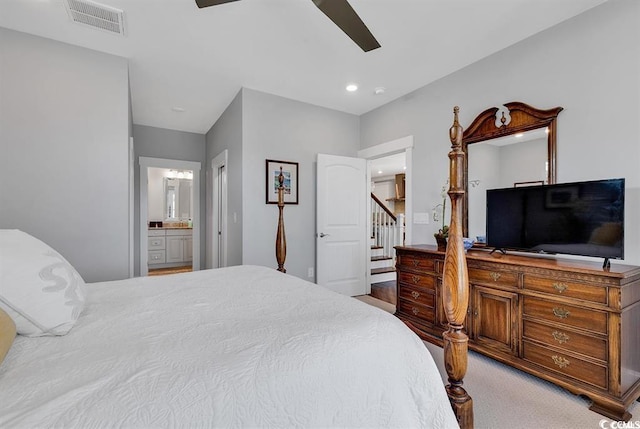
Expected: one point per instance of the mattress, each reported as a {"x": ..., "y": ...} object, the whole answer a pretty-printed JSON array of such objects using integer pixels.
[{"x": 234, "y": 347}]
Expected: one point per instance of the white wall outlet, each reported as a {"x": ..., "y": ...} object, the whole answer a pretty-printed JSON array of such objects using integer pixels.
[{"x": 310, "y": 272}]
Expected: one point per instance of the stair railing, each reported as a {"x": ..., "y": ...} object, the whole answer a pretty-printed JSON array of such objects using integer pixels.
[{"x": 387, "y": 229}]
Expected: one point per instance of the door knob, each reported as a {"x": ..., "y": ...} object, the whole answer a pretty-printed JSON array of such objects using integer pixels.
[{"x": 322, "y": 234}]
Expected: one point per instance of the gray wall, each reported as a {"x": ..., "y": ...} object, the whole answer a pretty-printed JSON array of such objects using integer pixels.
[
  {"x": 168, "y": 144},
  {"x": 226, "y": 133},
  {"x": 258, "y": 126},
  {"x": 283, "y": 129},
  {"x": 64, "y": 121},
  {"x": 589, "y": 65}
]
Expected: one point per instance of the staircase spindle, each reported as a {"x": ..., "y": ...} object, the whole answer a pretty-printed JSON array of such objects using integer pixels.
[
  {"x": 387, "y": 231},
  {"x": 378, "y": 231}
]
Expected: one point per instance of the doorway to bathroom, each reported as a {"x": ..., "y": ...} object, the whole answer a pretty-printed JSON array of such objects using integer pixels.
[{"x": 169, "y": 216}]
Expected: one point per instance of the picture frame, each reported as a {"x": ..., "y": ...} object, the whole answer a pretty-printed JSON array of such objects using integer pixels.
[
  {"x": 290, "y": 172},
  {"x": 531, "y": 183},
  {"x": 562, "y": 197}
]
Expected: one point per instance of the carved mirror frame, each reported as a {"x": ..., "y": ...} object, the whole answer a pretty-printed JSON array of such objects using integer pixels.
[{"x": 522, "y": 118}]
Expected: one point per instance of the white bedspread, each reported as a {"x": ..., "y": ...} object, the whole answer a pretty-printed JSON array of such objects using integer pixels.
[{"x": 234, "y": 347}]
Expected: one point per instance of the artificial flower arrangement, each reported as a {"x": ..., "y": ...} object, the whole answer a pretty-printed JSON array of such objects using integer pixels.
[{"x": 444, "y": 231}]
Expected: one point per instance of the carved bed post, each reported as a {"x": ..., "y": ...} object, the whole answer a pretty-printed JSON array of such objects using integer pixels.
[
  {"x": 281, "y": 240},
  {"x": 455, "y": 279}
]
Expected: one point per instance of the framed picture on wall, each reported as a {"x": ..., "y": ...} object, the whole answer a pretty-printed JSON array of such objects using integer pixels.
[
  {"x": 531, "y": 183},
  {"x": 561, "y": 197},
  {"x": 290, "y": 173}
]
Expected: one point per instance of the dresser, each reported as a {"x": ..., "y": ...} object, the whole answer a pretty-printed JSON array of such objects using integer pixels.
[{"x": 566, "y": 321}]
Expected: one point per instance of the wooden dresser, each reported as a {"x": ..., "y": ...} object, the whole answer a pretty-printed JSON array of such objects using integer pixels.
[{"x": 566, "y": 321}]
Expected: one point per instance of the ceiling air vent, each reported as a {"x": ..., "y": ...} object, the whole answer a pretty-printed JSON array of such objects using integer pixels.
[{"x": 96, "y": 15}]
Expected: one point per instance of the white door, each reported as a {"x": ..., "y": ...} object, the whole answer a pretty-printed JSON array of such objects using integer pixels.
[
  {"x": 219, "y": 211},
  {"x": 222, "y": 215},
  {"x": 341, "y": 232}
]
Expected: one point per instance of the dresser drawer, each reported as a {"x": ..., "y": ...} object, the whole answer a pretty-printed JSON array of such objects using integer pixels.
[
  {"x": 426, "y": 314},
  {"x": 418, "y": 296},
  {"x": 566, "y": 288},
  {"x": 493, "y": 277},
  {"x": 418, "y": 280},
  {"x": 415, "y": 262},
  {"x": 157, "y": 257},
  {"x": 556, "y": 312},
  {"x": 156, "y": 233},
  {"x": 156, "y": 243},
  {"x": 566, "y": 364},
  {"x": 569, "y": 340}
]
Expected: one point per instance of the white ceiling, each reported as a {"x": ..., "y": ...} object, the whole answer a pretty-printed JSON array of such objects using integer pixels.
[
  {"x": 198, "y": 59},
  {"x": 388, "y": 165},
  {"x": 519, "y": 137}
]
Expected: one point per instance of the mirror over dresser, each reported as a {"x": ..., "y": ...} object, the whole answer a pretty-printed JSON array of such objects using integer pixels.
[
  {"x": 571, "y": 322},
  {"x": 511, "y": 145}
]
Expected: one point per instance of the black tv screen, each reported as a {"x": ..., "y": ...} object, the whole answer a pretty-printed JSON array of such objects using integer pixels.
[{"x": 582, "y": 218}]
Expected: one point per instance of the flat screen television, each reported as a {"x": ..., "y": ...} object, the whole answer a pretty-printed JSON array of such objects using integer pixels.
[{"x": 581, "y": 218}]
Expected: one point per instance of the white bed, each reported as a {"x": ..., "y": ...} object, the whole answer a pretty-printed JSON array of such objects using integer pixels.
[{"x": 235, "y": 347}]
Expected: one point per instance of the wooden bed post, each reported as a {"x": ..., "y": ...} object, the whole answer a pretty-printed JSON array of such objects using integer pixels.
[
  {"x": 281, "y": 240},
  {"x": 455, "y": 279}
]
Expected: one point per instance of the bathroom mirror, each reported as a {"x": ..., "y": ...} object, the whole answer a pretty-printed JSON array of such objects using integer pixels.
[
  {"x": 513, "y": 145},
  {"x": 177, "y": 199}
]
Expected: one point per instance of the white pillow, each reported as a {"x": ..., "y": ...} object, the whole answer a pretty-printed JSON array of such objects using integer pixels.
[{"x": 39, "y": 289}]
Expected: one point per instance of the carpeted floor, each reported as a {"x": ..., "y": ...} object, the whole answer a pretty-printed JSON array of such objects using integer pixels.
[{"x": 504, "y": 397}]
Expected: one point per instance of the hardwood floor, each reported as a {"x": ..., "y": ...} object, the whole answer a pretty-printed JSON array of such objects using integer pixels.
[
  {"x": 385, "y": 291},
  {"x": 172, "y": 270}
]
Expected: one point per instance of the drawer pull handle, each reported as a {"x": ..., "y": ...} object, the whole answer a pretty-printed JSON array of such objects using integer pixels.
[
  {"x": 495, "y": 276},
  {"x": 561, "y": 312},
  {"x": 415, "y": 279},
  {"x": 415, "y": 311},
  {"x": 560, "y": 287},
  {"x": 560, "y": 361},
  {"x": 415, "y": 294},
  {"x": 415, "y": 262},
  {"x": 560, "y": 337}
]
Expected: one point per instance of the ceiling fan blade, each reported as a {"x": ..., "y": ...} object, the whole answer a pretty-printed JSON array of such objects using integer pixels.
[
  {"x": 343, "y": 15},
  {"x": 207, "y": 3}
]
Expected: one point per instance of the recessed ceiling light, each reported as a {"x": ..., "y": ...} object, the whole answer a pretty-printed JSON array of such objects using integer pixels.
[
  {"x": 379, "y": 90},
  {"x": 352, "y": 87},
  {"x": 518, "y": 135},
  {"x": 178, "y": 109},
  {"x": 379, "y": 171}
]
